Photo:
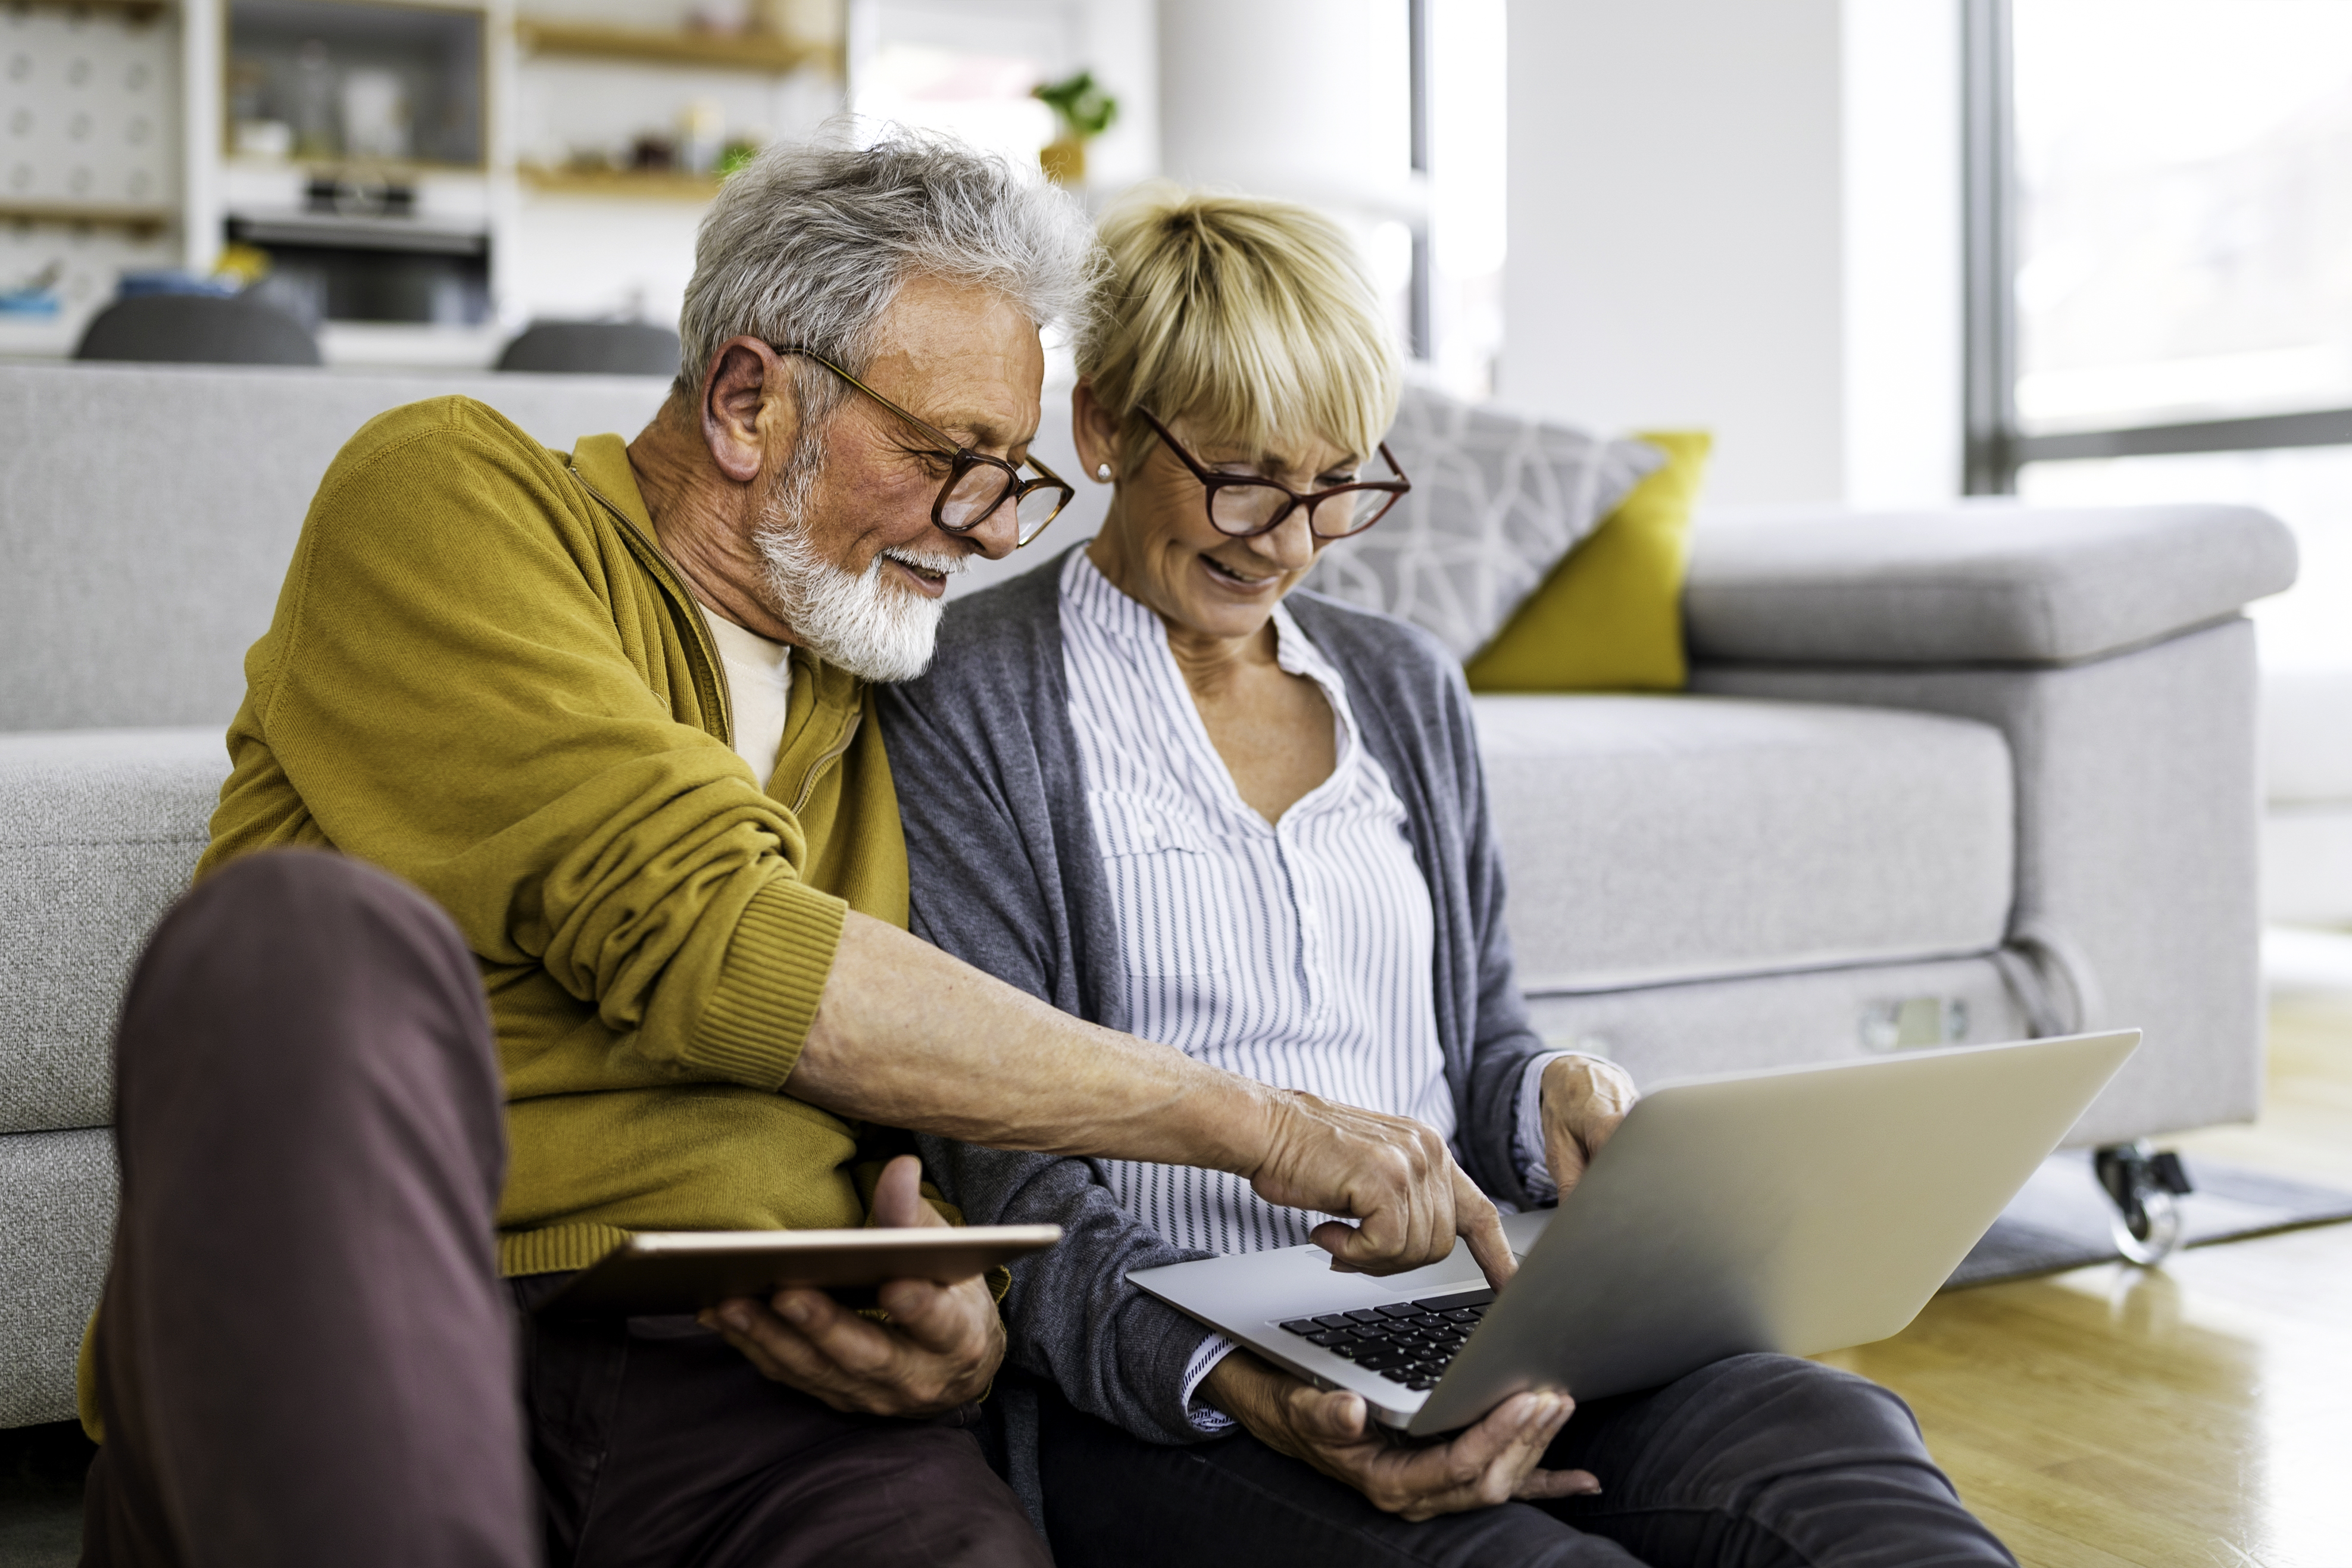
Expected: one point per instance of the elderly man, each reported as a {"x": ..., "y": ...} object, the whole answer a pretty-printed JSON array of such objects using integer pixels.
[{"x": 608, "y": 712}]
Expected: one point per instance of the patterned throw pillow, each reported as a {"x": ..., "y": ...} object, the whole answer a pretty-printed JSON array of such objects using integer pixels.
[
  {"x": 1609, "y": 616},
  {"x": 1498, "y": 499}
]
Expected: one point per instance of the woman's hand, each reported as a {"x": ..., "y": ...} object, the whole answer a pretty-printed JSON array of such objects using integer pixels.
[
  {"x": 1584, "y": 1099},
  {"x": 1492, "y": 1462}
]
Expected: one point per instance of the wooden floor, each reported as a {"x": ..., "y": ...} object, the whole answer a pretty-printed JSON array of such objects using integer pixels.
[{"x": 2199, "y": 1414}]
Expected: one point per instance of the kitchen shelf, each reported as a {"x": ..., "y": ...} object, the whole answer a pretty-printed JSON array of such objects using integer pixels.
[
  {"x": 760, "y": 52},
  {"x": 139, "y": 220},
  {"x": 336, "y": 231},
  {"x": 132, "y": 11},
  {"x": 438, "y": 53},
  {"x": 658, "y": 184}
]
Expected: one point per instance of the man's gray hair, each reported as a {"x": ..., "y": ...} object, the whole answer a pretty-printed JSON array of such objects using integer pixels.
[{"x": 809, "y": 242}]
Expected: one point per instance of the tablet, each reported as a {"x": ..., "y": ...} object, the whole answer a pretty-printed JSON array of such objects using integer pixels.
[{"x": 669, "y": 1271}]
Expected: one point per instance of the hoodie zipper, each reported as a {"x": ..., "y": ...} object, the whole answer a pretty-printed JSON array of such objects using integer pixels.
[
  {"x": 709, "y": 687},
  {"x": 817, "y": 769}
]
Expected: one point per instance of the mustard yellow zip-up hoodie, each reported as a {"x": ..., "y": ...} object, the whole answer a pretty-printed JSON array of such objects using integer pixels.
[{"x": 483, "y": 676}]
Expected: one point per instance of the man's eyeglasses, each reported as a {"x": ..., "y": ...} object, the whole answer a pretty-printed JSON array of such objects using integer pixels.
[
  {"x": 1246, "y": 505},
  {"x": 977, "y": 484}
]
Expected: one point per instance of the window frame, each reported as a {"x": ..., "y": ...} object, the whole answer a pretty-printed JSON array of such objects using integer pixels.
[
  {"x": 1993, "y": 446},
  {"x": 1418, "y": 330}
]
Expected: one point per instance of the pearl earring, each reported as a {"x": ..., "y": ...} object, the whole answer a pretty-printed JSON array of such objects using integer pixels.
[{"x": 1102, "y": 471}]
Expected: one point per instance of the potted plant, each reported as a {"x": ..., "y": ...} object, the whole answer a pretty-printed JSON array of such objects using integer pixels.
[{"x": 1084, "y": 112}]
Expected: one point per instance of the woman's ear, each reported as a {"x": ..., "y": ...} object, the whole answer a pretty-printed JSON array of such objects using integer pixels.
[
  {"x": 1095, "y": 433},
  {"x": 747, "y": 403}
]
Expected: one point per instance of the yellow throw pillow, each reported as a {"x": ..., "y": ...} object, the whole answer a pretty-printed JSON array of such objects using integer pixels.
[{"x": 1609, "y": 617}]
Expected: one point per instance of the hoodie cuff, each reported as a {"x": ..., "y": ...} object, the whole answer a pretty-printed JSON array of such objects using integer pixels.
[{"x": 758, "y": 1018}]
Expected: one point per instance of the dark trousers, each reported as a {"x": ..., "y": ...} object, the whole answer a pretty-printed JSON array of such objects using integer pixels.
[
  {"x": 1753, "y": 1461},
  {"x": 305, "y": 1356}
]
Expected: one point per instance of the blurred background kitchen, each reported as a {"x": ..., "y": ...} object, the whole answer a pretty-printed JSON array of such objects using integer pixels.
[
  {"x": 419, "y": 180},
  {"x": 1889, "y": 251}
]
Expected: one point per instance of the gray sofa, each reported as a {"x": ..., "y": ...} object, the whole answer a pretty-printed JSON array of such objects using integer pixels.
[{"x": 1967, "y": 775}]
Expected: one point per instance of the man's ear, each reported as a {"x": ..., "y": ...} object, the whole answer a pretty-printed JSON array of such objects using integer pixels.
[
  {"x": 747, "y": 403},
  {"x": 1094, "y": 431}
]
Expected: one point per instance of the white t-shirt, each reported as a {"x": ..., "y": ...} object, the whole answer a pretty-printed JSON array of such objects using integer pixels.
[{"x": 758, "y": 680}]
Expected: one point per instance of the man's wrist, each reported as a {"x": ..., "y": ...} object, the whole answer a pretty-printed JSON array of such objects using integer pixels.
[
  {"x": 1232, "y": 1123},
  {"x": 1233, "y": 1387}
]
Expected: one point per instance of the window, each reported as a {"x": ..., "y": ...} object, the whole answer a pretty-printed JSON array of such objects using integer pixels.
[
  {"x": 1462, "y": 136},
  {"x": 964, "y": 68},
  {"x": 2160, "y": 255}
]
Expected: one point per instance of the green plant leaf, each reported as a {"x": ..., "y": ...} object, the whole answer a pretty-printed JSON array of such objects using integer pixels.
[{"x": 1083, "y": 109}]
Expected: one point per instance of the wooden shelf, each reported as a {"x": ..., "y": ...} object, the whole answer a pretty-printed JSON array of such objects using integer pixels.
[
  {"x": 139, "y": 220},
  {"x": 656, "y": 185},
  {"x": 137, "y": 12},
  {"x": 760, "y": 52}
]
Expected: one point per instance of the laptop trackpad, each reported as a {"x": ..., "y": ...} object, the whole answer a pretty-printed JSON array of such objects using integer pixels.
[{"x": 1295, "y": 1281}]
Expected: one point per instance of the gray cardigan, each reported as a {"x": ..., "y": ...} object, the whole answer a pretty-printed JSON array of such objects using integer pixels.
[{"x": 1006, "y": 876}]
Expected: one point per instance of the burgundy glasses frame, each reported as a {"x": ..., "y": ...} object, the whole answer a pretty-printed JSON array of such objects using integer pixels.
[
  {"x": 961, "y": 460},
  {"x": 1212, "y": 482}
]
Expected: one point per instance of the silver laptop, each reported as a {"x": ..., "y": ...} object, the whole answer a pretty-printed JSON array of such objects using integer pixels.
[{"x": 1799, "y": 1210}]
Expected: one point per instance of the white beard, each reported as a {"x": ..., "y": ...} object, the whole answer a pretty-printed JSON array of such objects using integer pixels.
[{"x": 876, "y": 630}]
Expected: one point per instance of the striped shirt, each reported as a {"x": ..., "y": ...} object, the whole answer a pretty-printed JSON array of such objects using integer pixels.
[{"x": 1297, "y": 953}]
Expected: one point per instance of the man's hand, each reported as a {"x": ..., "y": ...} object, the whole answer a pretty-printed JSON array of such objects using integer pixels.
[
  {"x": 1393, "y": 1175},
  {"x": 939, "y": 1349},
  {"x": 906, "y": 1037},
  {"x": 1495, "y": 1461},
  {"x": 1584, "y": 1099}
]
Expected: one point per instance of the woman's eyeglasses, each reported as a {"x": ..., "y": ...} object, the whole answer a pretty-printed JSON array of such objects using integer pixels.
[
  {"x": 977, "y": 484},
  {"x": 1246, "y": 505}
]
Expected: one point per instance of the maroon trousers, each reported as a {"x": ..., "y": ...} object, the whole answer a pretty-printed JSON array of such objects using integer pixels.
[{"x": 305, "y": 1354}]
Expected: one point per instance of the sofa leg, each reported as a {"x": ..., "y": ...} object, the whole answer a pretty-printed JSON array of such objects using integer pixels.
[{"x": 2143, "y": 1185}]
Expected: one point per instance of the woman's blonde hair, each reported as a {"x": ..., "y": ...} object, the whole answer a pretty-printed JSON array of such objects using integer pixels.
[{"x": 1248, "y": 319}]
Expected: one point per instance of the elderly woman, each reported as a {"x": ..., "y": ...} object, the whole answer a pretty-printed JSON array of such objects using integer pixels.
[{"x": 1153, "y": 786}]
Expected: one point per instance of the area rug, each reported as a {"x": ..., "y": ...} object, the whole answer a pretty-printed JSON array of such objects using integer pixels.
[{"x": 2059, "y": 1220}]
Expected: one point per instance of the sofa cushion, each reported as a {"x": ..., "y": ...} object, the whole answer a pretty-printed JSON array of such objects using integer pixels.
[
  {"x": 1649, "y": 839},
  {"x": 1991, "y": 582},
  {"x": 1609, "y": 617},
  {"x": 185, "y": 534},
  {"x": 1498, "y": 499},
  {"x": 98, "y": 832},
  {"x": 1660, "y": 1032}
]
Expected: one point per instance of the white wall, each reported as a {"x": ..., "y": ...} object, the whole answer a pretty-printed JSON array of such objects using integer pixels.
[
  {"x": 1120, "y": 42},
  {"x": 1743, "y": 218},
  {"x": 1675, "y": 255},
  {"x": 1306, "y": 100},
  {"x": 1902, "y": 285},
  {"x": 1116, "y": 40}
]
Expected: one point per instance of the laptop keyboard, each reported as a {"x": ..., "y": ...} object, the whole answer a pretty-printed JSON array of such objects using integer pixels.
[{"x": 1406, "y": 1341}]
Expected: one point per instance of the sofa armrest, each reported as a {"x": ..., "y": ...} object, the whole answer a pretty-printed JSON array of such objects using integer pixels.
[
  {"x": 99, "y": 830},
  {"x": 2134, "y": 884},
  {"x": 1977, "y": 582}
]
